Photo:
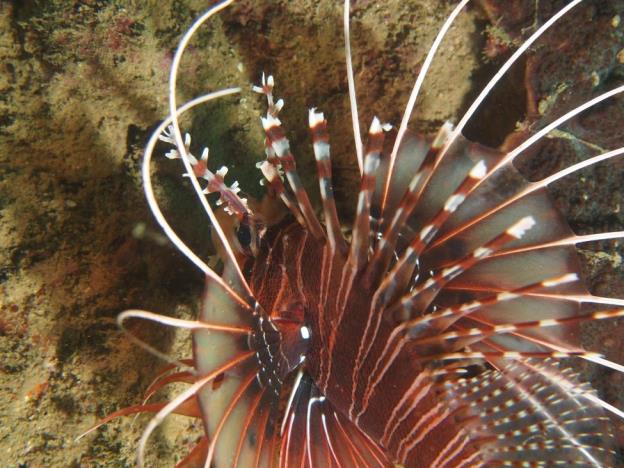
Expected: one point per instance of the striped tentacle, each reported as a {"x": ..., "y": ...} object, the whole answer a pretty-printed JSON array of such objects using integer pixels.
[
  {"x": 337, "y": 251},
  {"x": 216, "y": 184},
  {"x": 276, "y": 135},
  {"x": 266, "y": 88},
  {"x": 441, "y": 320},
  {"x": 271, "y": 174},
  {"x": 281, "y": 146},
  {"x": 233, "y": 204},
  {"x": 565, "y": 303},
  {"x": 360, "y": 241},
  {"x": 456, "y": 133},
  {"x": 467, "y": 337},
  {"x": 401, "y": 273},
  {"x": 480, "y": 211},
  {"x": 320, "y": 144},
  {"x": 558, "y": 315},
  {"x": 229, "y": 197},
  {"x": 526, "y": 266},
  {"x": 379, "y": 301},
  {"x": 544, "y": 253},
  {"x": 238, "y": 289},
  {"x": 525, "y": 192},
  {"x": 239, "y": 279},
  {"x": 513, "y": 355},
  {"x": 271, "y": 167},
  {"x": 417, "y": 301},
  {"x": 478, "y": 214},
  {"x": 548, "y": 341},
  {"x": 386, "y": 244},
  {"x": 431, "y": 325}
]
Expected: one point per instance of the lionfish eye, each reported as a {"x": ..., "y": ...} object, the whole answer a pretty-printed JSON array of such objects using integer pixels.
[{"x": 243, "y": 234}]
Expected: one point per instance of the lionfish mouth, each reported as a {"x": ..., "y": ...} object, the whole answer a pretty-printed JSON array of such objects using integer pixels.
[{"x": 432, "y": 335}]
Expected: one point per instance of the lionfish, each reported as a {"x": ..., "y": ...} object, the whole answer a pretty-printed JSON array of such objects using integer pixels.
[{"x": 431, "y": 333}]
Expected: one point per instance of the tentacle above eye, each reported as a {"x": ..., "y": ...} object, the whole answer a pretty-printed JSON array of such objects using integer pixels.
[
  {"x": 184, "y": 156},
  {"x": 320, "y": 143},
  {"x": 155, "y": 208}
]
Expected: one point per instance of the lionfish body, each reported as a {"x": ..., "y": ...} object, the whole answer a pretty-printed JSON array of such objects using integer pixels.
[
  {"x": 400, "y": 401},
  {"x": 429, "y": 335}
]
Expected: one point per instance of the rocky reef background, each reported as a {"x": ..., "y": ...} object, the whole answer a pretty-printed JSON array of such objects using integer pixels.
[{"x": 82, "y": 83}]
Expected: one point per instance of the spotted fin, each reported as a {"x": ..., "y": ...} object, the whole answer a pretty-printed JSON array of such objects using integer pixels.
[{"x": 532, "y": 411}]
